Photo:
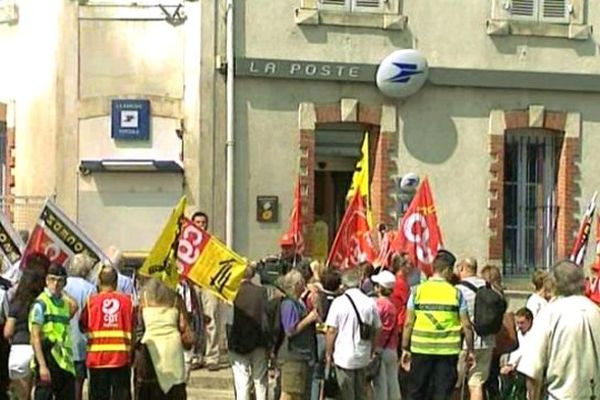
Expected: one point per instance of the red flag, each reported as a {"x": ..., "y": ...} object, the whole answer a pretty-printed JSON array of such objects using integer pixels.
[
  {"x": 353, "y": 243},
  {"x": 583, "y": 235},
  {"x": 384, "y": 258},
  {"x": 419, "y": 234},
  {"x": 295, "y": 229},
  {"x": 41, "y": 242}
]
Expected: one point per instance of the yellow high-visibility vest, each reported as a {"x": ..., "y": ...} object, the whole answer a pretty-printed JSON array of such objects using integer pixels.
[
  {"x": 56, "y": 330},
  {"x": 437, "y": 322}
]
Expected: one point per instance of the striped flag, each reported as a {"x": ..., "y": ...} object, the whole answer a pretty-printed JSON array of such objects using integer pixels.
[
  {"x": 583, "y": 236},
  {"x": 295, "y": 229}
]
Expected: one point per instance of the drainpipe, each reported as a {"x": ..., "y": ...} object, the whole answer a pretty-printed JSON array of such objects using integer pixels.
[{"x": 230, "y": 143}]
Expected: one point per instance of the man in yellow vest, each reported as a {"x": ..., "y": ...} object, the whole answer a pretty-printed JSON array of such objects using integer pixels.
[
  {"x": 431, "y": 340},
  {"x": 50, "y": 337}
]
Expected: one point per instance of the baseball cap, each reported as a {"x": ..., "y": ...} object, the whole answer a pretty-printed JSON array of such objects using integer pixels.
[
  {"x": 385, "y": 279},
  {"x": 57, "y": 270},
  {"x": 446, "y": 256},
  {"x": 286, "y": 240}
]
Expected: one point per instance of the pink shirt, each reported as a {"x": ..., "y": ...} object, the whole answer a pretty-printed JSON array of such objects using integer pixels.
[{"x": 388, "y": 315}]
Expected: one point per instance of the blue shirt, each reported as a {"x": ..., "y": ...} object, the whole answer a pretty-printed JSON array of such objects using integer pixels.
[
  {"x": 80, "y": 290},
  {"x": 463, "y": 307}
]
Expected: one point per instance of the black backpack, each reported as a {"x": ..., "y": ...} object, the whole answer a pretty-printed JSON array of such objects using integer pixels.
[
  {"x": 276, "y": 334},
  {"x": 490, "y": 307}
]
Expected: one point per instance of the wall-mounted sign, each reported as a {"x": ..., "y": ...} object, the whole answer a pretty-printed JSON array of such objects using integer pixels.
[
  {"x": 130, "y": 119},
  {"x": 307, "y": 70},
  {"x": 267, "y": 208},
  {"x": 402, "y": 73}
]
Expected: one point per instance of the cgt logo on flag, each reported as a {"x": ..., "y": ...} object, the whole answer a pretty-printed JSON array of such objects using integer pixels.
[{"x": 419, "y": 234}]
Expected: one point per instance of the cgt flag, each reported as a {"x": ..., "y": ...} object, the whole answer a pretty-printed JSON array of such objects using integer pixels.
[
  {"x": 59, "y": 238},
  {"x": 161, "y": 263},
  {"x": 353, "y": 243},
  {"x": 295, "y": 229},
  {"x": 209, "y": 263},
  {"x": 11, "y": 244},
  {"x": 583, "y": 235},
  {"x": 419, "y": 234}
]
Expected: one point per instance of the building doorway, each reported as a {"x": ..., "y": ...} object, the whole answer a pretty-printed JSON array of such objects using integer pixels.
[{"x": 337, "y": 150}]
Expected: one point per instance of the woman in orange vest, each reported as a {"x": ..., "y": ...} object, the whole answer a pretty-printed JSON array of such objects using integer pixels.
[{"x": 108, "y": 320}]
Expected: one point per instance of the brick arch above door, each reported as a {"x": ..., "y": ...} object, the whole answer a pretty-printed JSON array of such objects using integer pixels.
[
  {"x": 381, "y": 120},
  {"x": 563, "y": 123}
]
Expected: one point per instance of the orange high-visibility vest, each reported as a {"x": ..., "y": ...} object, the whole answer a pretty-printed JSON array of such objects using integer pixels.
[{"x": 110, "y": 329}]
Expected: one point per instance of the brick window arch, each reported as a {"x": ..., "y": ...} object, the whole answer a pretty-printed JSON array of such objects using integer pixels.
[{"x": 567, "y": 127}]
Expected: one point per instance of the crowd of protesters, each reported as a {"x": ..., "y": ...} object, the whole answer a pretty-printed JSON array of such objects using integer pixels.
[
  {"x": 389, "y": 333},
  {"x": 314, "y": 332}
]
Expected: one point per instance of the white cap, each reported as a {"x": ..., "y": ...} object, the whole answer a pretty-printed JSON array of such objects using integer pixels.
[{"x": 385, "y": 279}]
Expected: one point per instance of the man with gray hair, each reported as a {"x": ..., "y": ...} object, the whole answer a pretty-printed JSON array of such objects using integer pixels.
[
  {"x": 80, "y": 290},
  {"x": 353, "y": 328},
  {"x": 563, "y": 347}
]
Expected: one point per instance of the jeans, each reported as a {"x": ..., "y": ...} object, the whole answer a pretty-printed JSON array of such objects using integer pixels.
[
  {"x": 319, "y": 368},
  {"x": 62, "y": 383},
  {"x": 386, "y": 383},
  {"x": 110, "y": 383},
  {"x": 432, "y": 376},
  {"x": 247, "y": 368}
]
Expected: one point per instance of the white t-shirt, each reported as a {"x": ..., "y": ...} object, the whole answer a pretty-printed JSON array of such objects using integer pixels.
[
  {"x": 563, "y": 348},
  {"x": 515, "y": 356},
  {"x": 535, "y": 304},
  {"x": 351, "y": 352}
]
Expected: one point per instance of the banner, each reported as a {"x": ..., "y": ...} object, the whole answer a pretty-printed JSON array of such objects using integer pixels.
[
  {"x": 161, "y": 263},
  {"x": 419, "y": 234},
  {"x": 360, "y": 179},
  {"x": 295, "y": 229},
  {"x": 59, "y": 238},
  {"x": 583, "y": 235},
  {"x": 11, "y": 244},
  {"x": 209, "y": 263},
  {"x": 353, "y": 243}
]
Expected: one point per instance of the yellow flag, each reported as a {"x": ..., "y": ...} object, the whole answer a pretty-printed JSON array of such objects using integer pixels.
[
  {"x": 217, "y": 268},
  {"x": 360, "y": 179},
  {"x": 161, "y": 263}
]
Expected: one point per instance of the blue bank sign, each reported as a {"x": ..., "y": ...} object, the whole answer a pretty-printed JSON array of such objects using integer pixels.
[
  {"x": 402, "y": 73},
  {"x": 130, "y": 119}
]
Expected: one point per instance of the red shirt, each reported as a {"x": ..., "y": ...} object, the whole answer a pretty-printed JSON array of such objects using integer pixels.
[
  {"x": 399, "y": 298},
  {"x": 389, "y": 326}
]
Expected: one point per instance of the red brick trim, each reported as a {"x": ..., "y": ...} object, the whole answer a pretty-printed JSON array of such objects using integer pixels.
[
  {"x": 568, "y": 173},
  {"x": 307, "y": 183},
  {"x": 328, "y": 113},
  {"x": 496, "y": 201},
  {"x": 567, "y": 181}
]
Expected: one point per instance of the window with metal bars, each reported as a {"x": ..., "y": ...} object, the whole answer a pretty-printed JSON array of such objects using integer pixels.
[
  {"x": 352, "y": 5},
  {"x": 557, "y": 11},
  {"x": 530, "y": 210}
]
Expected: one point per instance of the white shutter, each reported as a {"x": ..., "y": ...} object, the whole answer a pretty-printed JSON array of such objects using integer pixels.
[
  {"x": 367, "y": 5},
  {"x": 554, "y": 11},
  {"x": 335, "y": 4},
  {"x": 524, "y": 9}
]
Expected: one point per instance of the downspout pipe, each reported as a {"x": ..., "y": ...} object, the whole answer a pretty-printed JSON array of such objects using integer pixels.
[{"x": 230, "y": 142}]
